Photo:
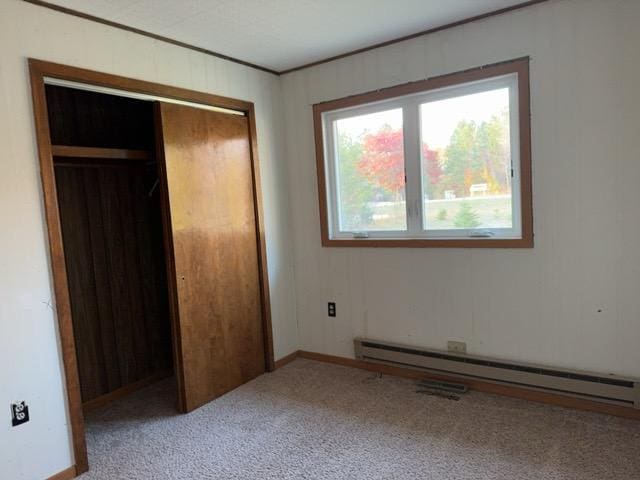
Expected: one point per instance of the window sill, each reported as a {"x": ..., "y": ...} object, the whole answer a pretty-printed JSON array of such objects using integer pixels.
[{"x": 430, "y": 243}]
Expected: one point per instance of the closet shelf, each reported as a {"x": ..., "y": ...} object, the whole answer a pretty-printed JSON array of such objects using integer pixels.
[{"x": 94, "y": 152}]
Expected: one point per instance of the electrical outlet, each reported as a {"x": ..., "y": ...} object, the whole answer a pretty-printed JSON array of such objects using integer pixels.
[
  {"x": 19, "y": 413},
  {"x": 331, "y": 310},
  {"x": 456, "y": 347}
]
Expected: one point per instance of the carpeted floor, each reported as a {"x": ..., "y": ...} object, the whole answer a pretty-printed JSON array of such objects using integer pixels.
[{"x": 311, "y": 420}]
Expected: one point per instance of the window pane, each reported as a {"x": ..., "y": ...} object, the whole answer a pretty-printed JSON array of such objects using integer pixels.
[
  {"x": 370, "y": 172},
  {"x": 466, "y": 162}
]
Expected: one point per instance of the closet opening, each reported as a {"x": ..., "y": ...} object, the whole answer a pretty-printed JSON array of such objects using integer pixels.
[
  {"x": 157, "y": 246},
  {"x": 107, "y": 181}
]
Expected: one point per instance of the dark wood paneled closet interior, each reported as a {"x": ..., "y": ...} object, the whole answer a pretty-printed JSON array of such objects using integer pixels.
[{"x": 108, "y": 196}]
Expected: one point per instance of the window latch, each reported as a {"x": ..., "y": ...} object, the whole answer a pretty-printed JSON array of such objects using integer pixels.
[
  {"x": 481, "y": 234},
  {"x": 360, "y": 234}
]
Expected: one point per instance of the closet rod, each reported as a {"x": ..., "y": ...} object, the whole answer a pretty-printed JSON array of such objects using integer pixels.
[{"x": 102, "y": 164}]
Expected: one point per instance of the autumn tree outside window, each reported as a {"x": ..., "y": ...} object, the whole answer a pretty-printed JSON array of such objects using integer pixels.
[{"x": 442, "y": 162}]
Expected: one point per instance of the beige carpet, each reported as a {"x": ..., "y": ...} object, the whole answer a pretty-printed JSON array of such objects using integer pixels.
[{"x": 310, "y": 420}]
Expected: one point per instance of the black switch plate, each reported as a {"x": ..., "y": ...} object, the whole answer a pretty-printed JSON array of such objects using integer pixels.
[
  {"x": 19, "y": 413},
  {"x": 332, "y": 309}
]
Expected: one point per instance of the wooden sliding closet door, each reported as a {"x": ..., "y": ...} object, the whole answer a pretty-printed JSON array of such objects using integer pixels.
[{"x": 211, "y": 233}]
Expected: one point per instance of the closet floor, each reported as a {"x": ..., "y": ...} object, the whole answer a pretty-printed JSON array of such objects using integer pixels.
[{"x": 317, "y": 421}]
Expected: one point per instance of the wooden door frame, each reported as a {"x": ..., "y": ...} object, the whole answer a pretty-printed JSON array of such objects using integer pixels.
[{"x": 38, "y": 71}]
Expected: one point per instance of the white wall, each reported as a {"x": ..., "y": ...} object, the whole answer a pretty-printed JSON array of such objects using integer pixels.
[
  {"x": 30, "y": 360},
  {"x": 573, "y": 300}
]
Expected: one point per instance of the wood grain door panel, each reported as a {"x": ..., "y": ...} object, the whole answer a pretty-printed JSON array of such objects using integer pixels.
[{"x": 211, "y": 229}]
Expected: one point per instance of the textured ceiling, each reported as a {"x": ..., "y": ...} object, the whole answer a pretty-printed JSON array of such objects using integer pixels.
[{"x": 281, "y": 34}]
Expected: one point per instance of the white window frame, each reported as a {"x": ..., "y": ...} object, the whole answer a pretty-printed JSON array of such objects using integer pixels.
[{"x": 410, "y": 105}]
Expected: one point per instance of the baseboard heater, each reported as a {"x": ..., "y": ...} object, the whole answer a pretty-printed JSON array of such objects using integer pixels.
[{"x": 610, "y": 388}]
